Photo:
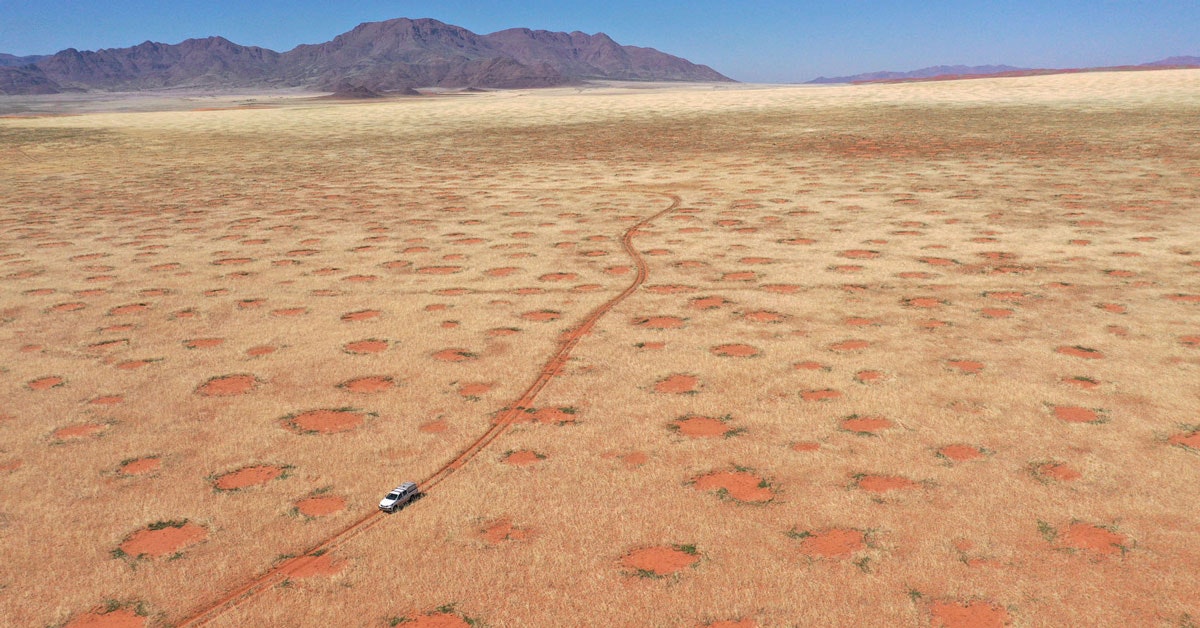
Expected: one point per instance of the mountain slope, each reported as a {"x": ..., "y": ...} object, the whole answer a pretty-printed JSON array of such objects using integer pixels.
[
  {"x": 581, "y": 55},
  {"x": 404, "y": 53},
  {"x": 209, "y": 61}
]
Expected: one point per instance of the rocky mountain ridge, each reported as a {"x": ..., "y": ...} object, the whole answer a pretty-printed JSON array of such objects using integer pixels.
[{"x": 391, "y": 56}]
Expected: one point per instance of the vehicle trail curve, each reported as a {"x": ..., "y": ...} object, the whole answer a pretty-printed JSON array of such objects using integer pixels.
[{"x": 507, "y": 416}]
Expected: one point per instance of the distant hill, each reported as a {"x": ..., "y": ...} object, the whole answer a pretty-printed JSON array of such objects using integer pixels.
[
  {"x": 946, "y": 72},
  {"x": 1176, "y": 62},
  {"x": 7, "y": 60},
  {"x": 929, "y": 72},
  {"x": 378, "y": 57}
]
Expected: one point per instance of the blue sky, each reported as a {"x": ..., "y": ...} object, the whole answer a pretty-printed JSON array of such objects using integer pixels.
[{"x": 767, "y": 41}]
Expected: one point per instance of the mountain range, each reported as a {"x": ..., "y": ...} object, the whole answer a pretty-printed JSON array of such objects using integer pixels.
[
  {"x": 394, "y": 56},
  {"x": 944, "y": 72}
]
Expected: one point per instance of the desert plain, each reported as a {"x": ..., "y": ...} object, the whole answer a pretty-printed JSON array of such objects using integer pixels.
[{"x": 920, "y": 354}]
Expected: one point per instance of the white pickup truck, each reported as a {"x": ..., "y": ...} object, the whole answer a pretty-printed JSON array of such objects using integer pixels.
[{"x": 399, "y": 496}]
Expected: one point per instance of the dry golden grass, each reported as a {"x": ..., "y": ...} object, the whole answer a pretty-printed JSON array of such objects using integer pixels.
[{"x": 932, "y": 255}]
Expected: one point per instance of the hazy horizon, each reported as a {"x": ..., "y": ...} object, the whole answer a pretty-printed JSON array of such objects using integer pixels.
[{"x": 777, "y": 42}]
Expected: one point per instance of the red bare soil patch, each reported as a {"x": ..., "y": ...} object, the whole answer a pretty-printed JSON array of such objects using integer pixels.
[
  {"x": 827, "y": 394},
  {"x": 866, "y": 424},
  {"x": 968, "y": 615},
  {"x": 745, "y": 275},
  {"x": 549, "y": 415},
  {"x": 325, "y": 421},
  {"x": 248, "y": 476},
  {"x": 1085, "y": 536},
  {"x": 361, "y": 315},
  {"x": 158, "y": 540},
  {"x": 522, "y": 458},
  {"x": 659, "y": 322},
  {"x": 849, "y": 345},
  {"x": 995, "y": 312},
  {"x": 1007, "y": 295},
  {"x": 868, "y": 376},
  {"x": 924, "y": 302},
  {"x": 707, "y": 303},
  {"x": 1184, "y": 298},
  {"x": 203, "y": 343},
  {"x": 320, "y": 505},
  {"x": 436, "y": 620},
  {"x": 290, "y": 311},
  {"x": 474, "y": 389},
  {"x": 370, "y": 345},
  {"x": 558, "y": 277},
  {"x": 806, "y": 446},
  {"x": 541, "y": 315},
  {"x": 434, "y": 427},
  {"x": 439, "y": 270},
  {"x": 658, "y": 561},
  {"x": 810, "y": 366},
  {"x": 132, "y": 308},
  {"x": 1057, "y": 471},
  {"x": 1080, "y": 352},
  {"x": 130, "y": 365},
  {"x": 46, "y": 383},
  {"x": 677, "y": 384},
  {"x": 260, "y": 350},
  {"x": 119, "y": 618},
  {"x": 735, "y": 351},
  {"x": 453, "y": 355},
  {"x": 368, "y": 385},
  {"x": 859, "y": 254},
  {"x": 83, "y": 430},
  {"x": 833, "y": 543},
  {"x": 701, "y": 427},
  {"x": 764, "y": 316},
  {"x": 742, "y": 486},
  {"x": 503, "y": 530},
  {"x": 635, "y": 459},
  {"x": 1191, "y": 439},
  {"x": 67, "y": 307},
  {"x": 1189, "y": 341},
  {"x": 141, "y": 466},
  {"x": 227, "y": 386},
  {"x": 884, "y": 483},
  {"x": 1076, "y": 414},
  {"x": 966, "y": 366},
  {"x": 960, "y": 453}
]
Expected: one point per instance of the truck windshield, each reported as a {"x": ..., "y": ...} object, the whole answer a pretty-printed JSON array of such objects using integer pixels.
[{"x": 393, "y": 496}]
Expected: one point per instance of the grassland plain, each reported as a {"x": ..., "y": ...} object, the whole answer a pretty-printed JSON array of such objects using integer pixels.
[{"x": 916, "y": 354}]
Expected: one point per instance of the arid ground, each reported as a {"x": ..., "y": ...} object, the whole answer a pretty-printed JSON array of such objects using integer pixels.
[{"x": 893, "y": 355}]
